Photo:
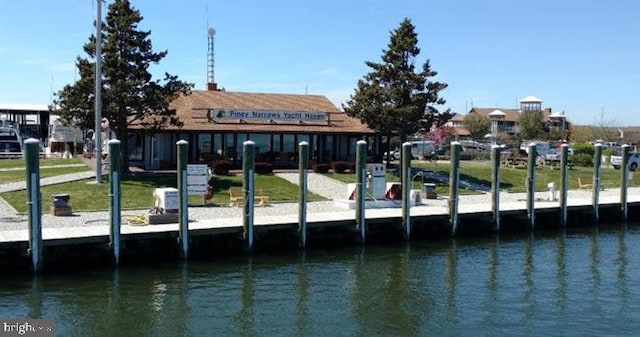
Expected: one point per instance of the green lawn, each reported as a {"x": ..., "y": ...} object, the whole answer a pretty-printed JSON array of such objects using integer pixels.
[
  {"x": 16, "y": 163},
  {"x": 137, "y": 192},
  {"x": 512, "y": 179},
  {"x": 20, "y": 175}
]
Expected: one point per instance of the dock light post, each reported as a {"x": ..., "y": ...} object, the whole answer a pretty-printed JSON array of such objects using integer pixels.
[
  {"x": 531, "y": 184},
  {"x": 183, "y": 193},
  {"x": 114, "y": 198},
  {"x": 361, "y": 163},
  {"x": 495, "y": 116},
  {"x": 454, "y": 180},
  {"x": 248, "y": 165},
  {"x": 405, "y": 169},
  {"x": 597, "y": 164},
  {"x": 495, "y": 186},
  {"x": 303, "y": 165},
  {"x": 624, "y": 169},
  {"x": 34, "y": 205}
]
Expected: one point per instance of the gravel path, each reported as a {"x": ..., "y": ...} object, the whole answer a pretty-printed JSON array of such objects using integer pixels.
[{"x": 319, "y": 184}]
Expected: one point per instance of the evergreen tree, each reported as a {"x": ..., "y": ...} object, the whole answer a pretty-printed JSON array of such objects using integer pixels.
[
  {"x": 395, "y": 99},
  {"x": 129, "y": 94}
]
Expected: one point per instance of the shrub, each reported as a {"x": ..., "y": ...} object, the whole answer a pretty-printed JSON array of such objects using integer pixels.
[
  {"x": 264, "y": 168},
  {"x": 609, "y": 152},
  {"x": 340, "y": 166},
  {"x": 321, "y": 168},
  {"x": 583, "y": 148},
  {"x": 582, "y": 159},
  {"x": 222, "y": 168}
]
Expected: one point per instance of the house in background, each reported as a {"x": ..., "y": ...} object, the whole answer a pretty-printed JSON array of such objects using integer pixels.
[{"x": 551, "y": 120}]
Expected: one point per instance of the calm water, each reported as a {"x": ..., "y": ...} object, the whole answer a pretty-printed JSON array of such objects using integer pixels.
[{"x": 558, "y": 284}]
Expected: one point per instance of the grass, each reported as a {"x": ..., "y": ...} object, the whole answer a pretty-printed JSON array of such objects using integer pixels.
[
  {"x": 14, "y": 169},
  {"x": 20, "y": 175},
  {"x": 137, "y": 192},
  {"x": 512, "y": 179},
  {"x": 17, "y": 163}
]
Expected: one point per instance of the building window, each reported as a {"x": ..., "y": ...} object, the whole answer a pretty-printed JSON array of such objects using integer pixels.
[
  {"x": 217, "y": 143},
  {"x": 203, "y": 146},
  {"x": 135, "y": 146},
  {"x": 289, "y": 145}
]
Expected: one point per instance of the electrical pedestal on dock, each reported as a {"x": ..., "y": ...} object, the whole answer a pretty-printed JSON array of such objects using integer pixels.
[{"x": 166, "y": 207}]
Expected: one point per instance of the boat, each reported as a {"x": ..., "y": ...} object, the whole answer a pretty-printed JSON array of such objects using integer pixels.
[
  {"x": 64, "y": 139},
  {"x": 10, "y": 140}
]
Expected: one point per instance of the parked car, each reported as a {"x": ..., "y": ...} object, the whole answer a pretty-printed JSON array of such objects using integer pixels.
[
  {"x": 423, "y": 149},
  {"x": 634, "y": 161}
]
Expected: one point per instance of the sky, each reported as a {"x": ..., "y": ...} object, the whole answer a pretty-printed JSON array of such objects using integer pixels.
[{"x": 578, "y": 56}]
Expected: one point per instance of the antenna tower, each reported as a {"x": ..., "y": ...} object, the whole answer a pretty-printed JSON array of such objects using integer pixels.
[{"x": 211, "y": 74}]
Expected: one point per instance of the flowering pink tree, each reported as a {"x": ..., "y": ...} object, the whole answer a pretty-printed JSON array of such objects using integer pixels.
[{"x": 439, "y": 135}]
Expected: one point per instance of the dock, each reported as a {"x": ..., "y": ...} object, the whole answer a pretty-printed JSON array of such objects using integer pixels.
[{"x": 203, "y": 223}]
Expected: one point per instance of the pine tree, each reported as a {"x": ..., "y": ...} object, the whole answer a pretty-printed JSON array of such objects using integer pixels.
[
  {"x": 395, "y": 99},
  {"x": 129, "y": 94}
]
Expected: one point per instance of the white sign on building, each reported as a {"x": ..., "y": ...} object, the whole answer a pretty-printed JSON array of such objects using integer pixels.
[{"x": 268, "y": 115}]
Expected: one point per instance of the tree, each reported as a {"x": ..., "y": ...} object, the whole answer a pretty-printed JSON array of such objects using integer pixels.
[
  {"x": 393, "y": 97},
  {"x": 477, "y": 125},
  {"x": 129, "y": 94},
  {"x": 529, "y": 125}
]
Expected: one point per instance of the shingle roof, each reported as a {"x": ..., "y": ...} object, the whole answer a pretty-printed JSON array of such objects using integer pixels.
[
  {"x": 510, "y": 115},
  {"x": 192, "y": 111}
]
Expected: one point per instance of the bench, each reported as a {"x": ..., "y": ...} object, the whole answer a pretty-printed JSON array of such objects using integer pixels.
[
  {"x": 515, "y": 162},
  {"x": 582, "y": 183},
  {"x": 262, "y": 198},
  {"x": 236, "y": 196}
]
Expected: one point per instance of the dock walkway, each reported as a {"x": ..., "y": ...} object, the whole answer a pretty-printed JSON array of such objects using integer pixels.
[{"x": 94, "y": 226}]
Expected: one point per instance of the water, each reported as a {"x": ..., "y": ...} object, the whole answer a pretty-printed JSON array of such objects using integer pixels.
[{"x": 579, "y": 283}]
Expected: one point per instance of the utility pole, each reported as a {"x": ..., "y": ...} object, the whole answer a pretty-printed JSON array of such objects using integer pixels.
[{"x": 98, "y": 91}]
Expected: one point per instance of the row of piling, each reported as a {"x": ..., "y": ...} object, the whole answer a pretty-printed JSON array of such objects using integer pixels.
[{"x": 248, "y": 171}]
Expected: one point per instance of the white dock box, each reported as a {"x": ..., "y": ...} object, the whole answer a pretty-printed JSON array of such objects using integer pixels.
[{"x": 166, "y": 199}]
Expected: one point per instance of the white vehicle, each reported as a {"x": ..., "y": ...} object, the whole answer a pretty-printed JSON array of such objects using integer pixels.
[
  {"x": 542, "y": 148},
  {"x": 634, "y": 161}
]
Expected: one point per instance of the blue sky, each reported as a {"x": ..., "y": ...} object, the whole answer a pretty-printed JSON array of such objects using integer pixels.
[{"x": 578, "y": 56}]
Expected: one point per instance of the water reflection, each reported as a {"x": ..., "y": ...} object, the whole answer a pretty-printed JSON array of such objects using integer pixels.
[
  {"x": 561, "y": 272},
  {"x": 244, "y": 318},
  {"x": 621, "y": 262},
  {"x": 594, "y": 270},
  {"x": 383, "y": 297},
  {"x": 582, "y": 283},
  {"x": 35, "y": 298},
  {"x": 491, "y": 299},
  {"x": 451, "y": 278},
  {"x": 527, "y": 274},
  {"x": 302, "y": 318}
]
